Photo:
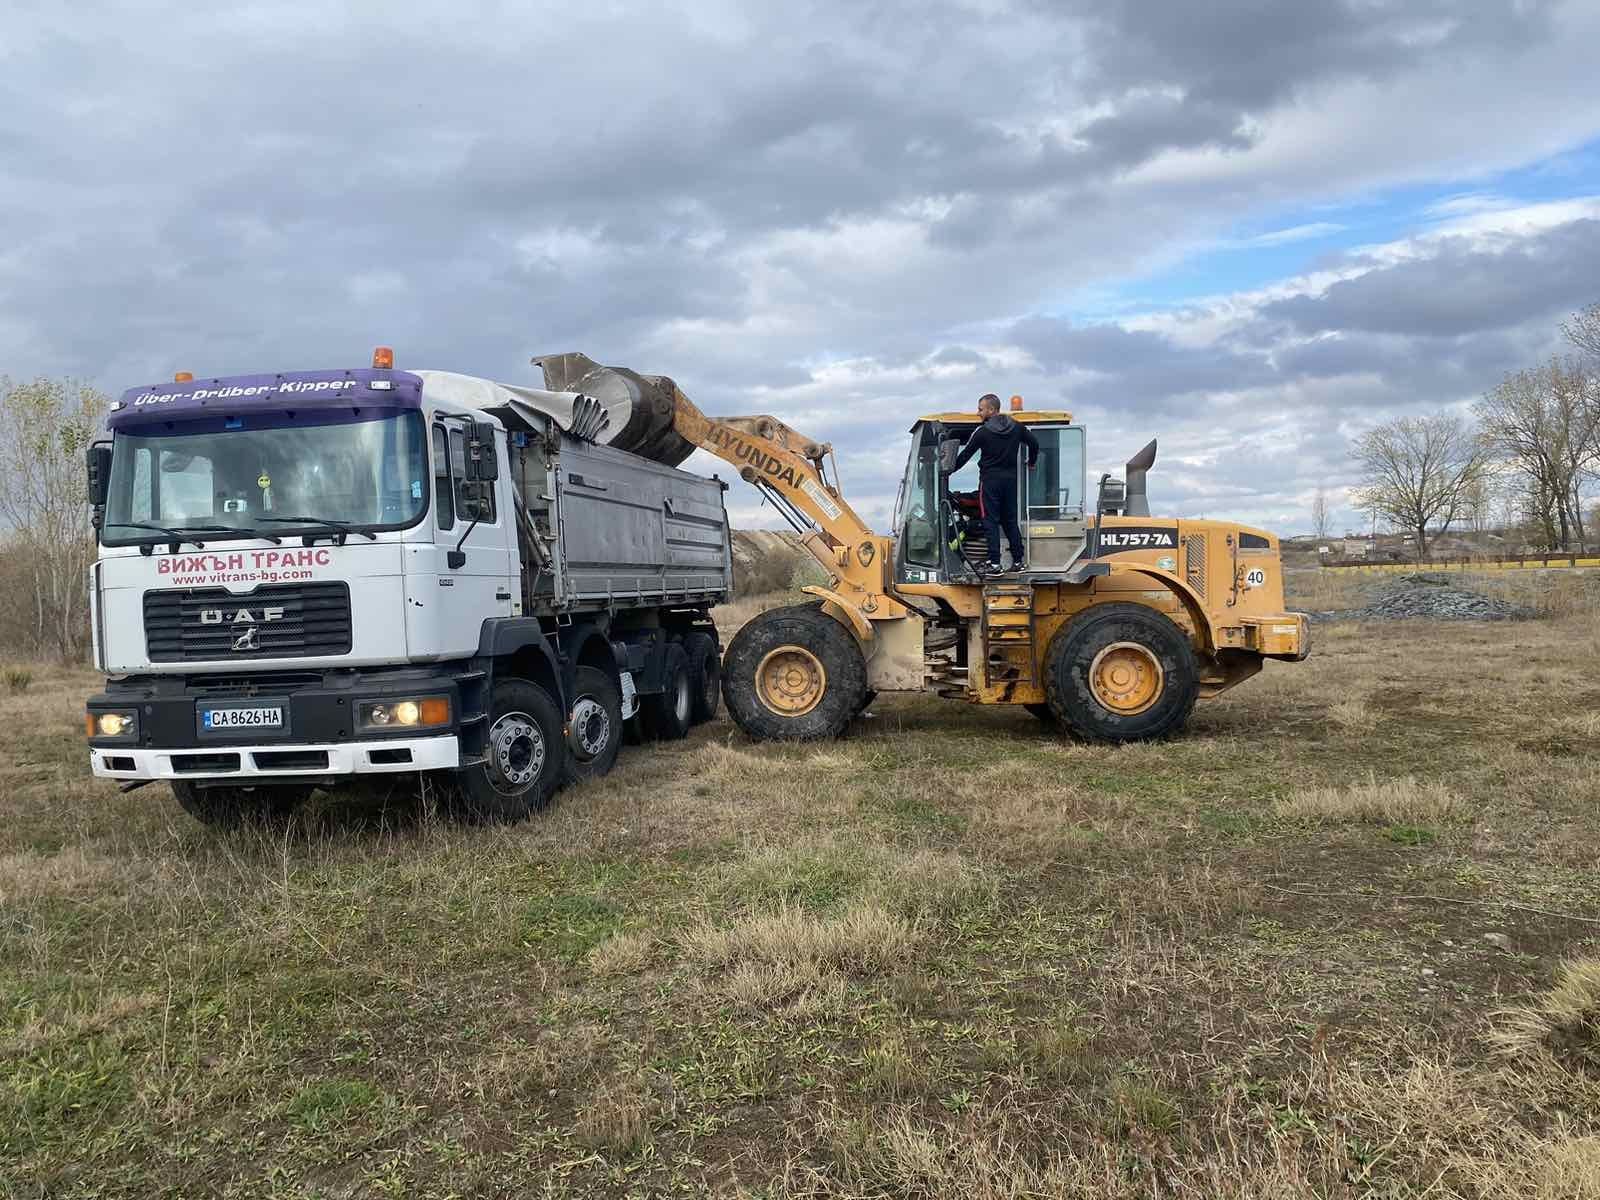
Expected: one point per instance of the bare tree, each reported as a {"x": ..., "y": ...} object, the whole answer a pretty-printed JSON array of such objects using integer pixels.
[
  {"x": 1414, "y": 471},
  {"x": 1543, "y": 423},
  {"x": 44, "y": 428},
  {"x": 1321, "y": 515}
]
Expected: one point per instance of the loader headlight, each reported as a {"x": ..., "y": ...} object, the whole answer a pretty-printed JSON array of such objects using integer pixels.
[
  {"x": 110, "y": 724},
  {"x": 408, "y": 713}
]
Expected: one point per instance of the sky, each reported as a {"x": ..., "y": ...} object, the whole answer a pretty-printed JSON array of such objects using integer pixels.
[{"x": 1249, "y": 229}]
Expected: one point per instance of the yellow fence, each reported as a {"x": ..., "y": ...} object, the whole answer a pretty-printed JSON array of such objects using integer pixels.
[{"x": 1514, "y": 564}]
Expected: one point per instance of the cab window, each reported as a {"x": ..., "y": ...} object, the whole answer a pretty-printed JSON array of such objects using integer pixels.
[
  {"x": 1055, "y": 485},
  {"x": 444, "y": 496}
]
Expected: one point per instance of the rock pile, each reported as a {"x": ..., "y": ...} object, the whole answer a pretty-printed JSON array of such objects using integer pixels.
[{"x": 1428, "y": 598}]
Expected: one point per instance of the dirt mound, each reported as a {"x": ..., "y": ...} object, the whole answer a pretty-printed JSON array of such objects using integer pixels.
[
  {"x": 1426, "y": 597},
  {"x": 766, "y": 561}
]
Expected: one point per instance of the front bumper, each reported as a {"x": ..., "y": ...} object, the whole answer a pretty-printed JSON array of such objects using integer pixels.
[
  {"x": 277, "y": 760},
  {"x": 322, "y": 735}
]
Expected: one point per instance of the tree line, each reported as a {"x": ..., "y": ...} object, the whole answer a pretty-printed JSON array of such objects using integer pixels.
[
  {"x": 1525, "y": 460},
  {"x": 47, "y": 546}
]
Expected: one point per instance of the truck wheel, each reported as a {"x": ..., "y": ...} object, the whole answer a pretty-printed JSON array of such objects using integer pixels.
[
  {"x": 705, "y": 675},
  {"x": 669, "y": 713},
  {"x": 225, "y": 807},
  {"x": 1121, "y": 673},
  {"x": 794, "y": 674},
  {"x": 526, "y": 755},
  {"x": 594, "y": 727}
]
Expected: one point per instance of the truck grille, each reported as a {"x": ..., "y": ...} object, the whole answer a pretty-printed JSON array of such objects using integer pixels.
[{"x": 278, "y": 621}]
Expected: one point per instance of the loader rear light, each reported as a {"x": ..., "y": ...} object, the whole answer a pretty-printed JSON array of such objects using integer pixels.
[
  {"x": 383, "y": 358},
  {"x": 183, "y": 377},
  {"x": 405, "y": 714}
]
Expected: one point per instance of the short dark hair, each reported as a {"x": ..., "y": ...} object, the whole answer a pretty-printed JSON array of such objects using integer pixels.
[{"x": 990, "y": 400}]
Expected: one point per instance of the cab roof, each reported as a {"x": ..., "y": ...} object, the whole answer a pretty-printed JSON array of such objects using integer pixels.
[{"x": 1035, "y": 416}]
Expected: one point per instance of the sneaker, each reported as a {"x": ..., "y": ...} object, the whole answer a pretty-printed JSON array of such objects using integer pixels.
[
  {"x": 989, "y": 568},
  {"x": 1018, "y": 567}
]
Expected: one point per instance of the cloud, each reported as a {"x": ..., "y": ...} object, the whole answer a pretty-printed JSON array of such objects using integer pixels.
[
  {"x": 1462, "y": 287},
  {"x": 846, "y": 214}
]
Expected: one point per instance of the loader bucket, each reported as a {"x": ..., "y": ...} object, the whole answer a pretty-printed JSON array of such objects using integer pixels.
[{"x": 640, "y": 408}]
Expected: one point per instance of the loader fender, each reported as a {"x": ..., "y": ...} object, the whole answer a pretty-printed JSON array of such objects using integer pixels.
[
  {"x": 842, "y": 611},
  {"x": 1191, "y": 602}
]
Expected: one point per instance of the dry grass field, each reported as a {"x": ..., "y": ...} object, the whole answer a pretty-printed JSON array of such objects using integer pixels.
[{"x": 1342, "y": 939}]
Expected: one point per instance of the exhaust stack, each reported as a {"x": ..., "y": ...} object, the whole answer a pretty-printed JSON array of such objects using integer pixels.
[{"x": 1137, "y": 502}]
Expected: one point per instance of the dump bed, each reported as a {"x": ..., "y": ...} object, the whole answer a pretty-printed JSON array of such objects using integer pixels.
[{"x": 618, "y": 530}]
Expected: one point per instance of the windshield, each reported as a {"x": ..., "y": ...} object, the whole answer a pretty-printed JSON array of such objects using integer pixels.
[{"x": 236, "y": 471}]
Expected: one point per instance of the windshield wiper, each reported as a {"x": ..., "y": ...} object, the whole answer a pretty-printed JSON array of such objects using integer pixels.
[
  {"x": 183, "y": 533},
  {"x": 340, "y": 529}
]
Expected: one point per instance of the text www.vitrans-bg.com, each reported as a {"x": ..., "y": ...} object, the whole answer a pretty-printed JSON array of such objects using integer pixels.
[{"x": 245, "y": 566}]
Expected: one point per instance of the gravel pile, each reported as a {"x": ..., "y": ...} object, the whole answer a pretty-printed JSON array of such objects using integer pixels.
[{"x": 1429, "y": 598}]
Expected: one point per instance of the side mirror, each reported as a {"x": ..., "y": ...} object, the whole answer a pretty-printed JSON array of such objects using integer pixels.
[
  {"x": 99, "y": 476},
  {"x": 482, "y": 463},
  {"x": 949, "y": 451}
]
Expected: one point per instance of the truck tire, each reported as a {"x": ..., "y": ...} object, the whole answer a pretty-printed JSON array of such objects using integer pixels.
[
  {"x": 669, "y": 713},
  {"x": 705, "y": 675},
  {"x": 226, "y": 807},
  {"x": 594, "y": 726},
  {"x": 1121, "y": 673},
  {"x": 794, "y": 674},
  {"x": 526, "y": 755}
]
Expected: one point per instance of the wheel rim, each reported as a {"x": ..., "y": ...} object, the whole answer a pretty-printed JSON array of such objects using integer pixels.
[
  {"x": 1126, "y": 678},
  {"x": 791, "y": 680},
  {"x": 591, "y": 728},
  {"x": 517, "y": 748}
]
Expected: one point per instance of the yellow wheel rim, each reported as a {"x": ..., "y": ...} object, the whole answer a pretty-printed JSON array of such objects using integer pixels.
[
  {"x": 1126, "y": 678},
  {"x": 791, "y": 680}
]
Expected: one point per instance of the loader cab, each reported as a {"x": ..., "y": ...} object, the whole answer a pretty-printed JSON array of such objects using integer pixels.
[{"x": 938, "y": 516}]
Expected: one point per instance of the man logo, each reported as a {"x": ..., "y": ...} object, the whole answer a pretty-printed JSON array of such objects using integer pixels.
[
  {"x": 246, "y": 640},
  {"x": 216, "y": 616}
]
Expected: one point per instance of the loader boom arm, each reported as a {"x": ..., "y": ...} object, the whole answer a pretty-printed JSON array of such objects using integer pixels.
[{"x": 787, "y": 467}]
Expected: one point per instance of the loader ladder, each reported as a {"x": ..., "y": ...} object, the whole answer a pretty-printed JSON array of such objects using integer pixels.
[{"x": 1008, "y": 633}]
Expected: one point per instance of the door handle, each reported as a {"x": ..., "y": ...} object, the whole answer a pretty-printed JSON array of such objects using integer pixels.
[{"x": 502, "y": 595}]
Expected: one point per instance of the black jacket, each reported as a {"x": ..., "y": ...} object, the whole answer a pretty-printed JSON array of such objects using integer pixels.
[{"x": 997, "y": 439}]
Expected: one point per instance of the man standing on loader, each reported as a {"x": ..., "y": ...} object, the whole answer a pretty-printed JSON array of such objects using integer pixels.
[{"x": 997, "y": 442}]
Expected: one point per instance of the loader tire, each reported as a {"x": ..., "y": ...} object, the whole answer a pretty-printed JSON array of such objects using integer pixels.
[
  {"x": 594, "y": 726},
  {"x": 794, "y": 674},
  {"x": 670, "y": 712},
  {"x": 526, "y": 756},
  {"x": 1121, "y": 673},
  {"x": 705, "y": 675},
  {"x": 230, "y": 806}
]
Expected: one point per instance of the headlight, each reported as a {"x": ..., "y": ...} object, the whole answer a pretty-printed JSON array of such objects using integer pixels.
[
  {"x": 110, "y": 724},
  {"x": 407, "y": 713}
]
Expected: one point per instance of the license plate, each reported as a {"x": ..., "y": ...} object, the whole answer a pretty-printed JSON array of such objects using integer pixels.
[{"x": 221, "y": 719}]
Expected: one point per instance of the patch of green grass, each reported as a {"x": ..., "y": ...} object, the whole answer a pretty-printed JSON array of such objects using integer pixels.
[
  {"x": 569, "y": 925},
  {"x": 325, "y": 1103},
  {"x": 1411, "y": 835}
]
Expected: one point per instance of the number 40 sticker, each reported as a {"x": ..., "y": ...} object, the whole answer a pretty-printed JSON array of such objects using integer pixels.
[{"x": 1254, "y": 577}]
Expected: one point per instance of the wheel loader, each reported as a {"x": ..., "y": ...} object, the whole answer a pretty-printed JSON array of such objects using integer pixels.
[{"x": 1120, "y": 621}]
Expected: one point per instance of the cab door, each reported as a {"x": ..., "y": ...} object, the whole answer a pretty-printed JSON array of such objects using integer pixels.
[
  {"x": 449, "y": 596},
  {"x": 1052, "y": 501}
]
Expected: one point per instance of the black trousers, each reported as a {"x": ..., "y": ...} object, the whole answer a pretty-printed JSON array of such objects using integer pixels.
[{"x": 997, "y": 498}]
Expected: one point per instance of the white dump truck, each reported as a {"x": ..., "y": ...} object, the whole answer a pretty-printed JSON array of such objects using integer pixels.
[{"x": 310, "y": 576}]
